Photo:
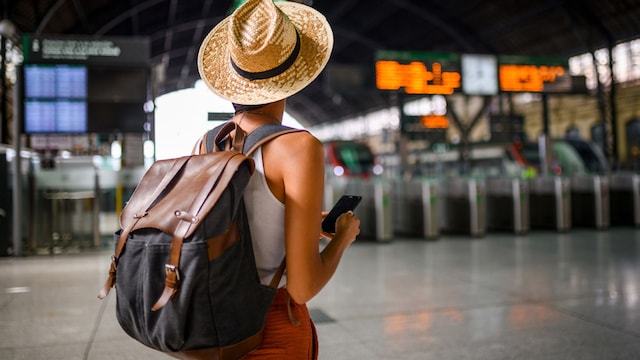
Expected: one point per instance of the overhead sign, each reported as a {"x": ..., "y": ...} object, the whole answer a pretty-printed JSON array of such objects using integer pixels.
[
  {"x": 418, "y": 73},
  {"x": 528, "y": 78},
  {"x": 434, "y": 121},
  {"x": 219, "y": 116},
  {"x": 530, "y": 74},
  {"x": 424, "y": 124},
  {"x": 425, "y": 73},
  {"x": 86, "y": 50}
]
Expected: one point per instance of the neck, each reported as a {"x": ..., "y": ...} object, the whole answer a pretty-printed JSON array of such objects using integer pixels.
[
  {"x": 269, "y": 113},
  {"x": 269, "y": 116}
]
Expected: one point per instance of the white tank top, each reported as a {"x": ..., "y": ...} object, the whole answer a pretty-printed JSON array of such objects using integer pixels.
[{"x": 266, "y": 221}]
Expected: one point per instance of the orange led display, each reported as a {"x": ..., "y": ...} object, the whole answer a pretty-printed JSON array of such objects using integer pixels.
[
  {"x": 528, "y": 78},
  {"x": 415, "y": 78},
  {"x": 434, "y": 121}
]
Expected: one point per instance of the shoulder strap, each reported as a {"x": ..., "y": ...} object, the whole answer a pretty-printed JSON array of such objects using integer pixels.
[
  {"x": 254, "y": 139},
  {"x": 264, "y": 134}
]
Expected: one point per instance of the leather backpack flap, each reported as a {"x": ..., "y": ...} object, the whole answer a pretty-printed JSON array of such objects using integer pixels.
[
  {"x": 192, "y": 193},
  {"x": 149, "y": 188}
]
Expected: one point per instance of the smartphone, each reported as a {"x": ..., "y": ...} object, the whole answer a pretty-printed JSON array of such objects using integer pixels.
[{"x": 344, "y": 204}]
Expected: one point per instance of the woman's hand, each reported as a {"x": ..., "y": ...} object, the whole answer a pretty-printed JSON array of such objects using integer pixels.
[
  {"x": 351, "y": 225},
  {"x": 348, "y": 226}
]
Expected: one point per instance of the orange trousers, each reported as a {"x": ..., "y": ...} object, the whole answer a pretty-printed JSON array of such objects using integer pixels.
[{"x": 284, "y": 340}]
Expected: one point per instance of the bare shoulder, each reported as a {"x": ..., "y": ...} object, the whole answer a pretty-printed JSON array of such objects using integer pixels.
[
  {"x": 297, "y": 160},
  {"x": 297, "y": 144},
  {"x": 293, "y": 158},
  {"x": 303, "y": 137}
]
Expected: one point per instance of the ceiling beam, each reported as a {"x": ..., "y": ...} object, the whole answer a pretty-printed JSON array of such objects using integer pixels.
[
  {"x": 168, "y": 37},
  {"x": 302, "y": 101},
  {"x": 339, "y": 8},
  {"x": 135, "y": 21},
  {"x": 467, "y": 41},
  {"x": 195, "y": 44},
  {"x": 48, "y": 16},
  {"x": 508, "y": 24},
  {"x": 126, "y": 15},
  {"x": 593, "y": 21},
  {"x": 82, "y": 15},
  {"x": 186, "y": 26},
  {"x": 354, "y": 36}
]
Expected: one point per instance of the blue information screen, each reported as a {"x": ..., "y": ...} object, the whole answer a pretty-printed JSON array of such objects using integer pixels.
[{"x": 55, "y": 98}]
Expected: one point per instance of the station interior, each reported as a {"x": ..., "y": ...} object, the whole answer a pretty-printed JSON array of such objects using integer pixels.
[{"x": 496, "y": 147}]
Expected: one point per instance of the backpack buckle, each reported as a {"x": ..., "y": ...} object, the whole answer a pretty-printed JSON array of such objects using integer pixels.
[{"x": 172, "y": 268}]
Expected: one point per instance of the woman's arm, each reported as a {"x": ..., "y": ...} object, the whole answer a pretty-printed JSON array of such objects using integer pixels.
[{"x": 300, "y": 171}]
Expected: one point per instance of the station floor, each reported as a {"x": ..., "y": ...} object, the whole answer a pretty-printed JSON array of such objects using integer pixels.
[{"x": 542, "y": 295}]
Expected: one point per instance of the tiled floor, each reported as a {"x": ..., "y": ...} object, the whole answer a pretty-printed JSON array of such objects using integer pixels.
[{"x": 543, "y": 295}]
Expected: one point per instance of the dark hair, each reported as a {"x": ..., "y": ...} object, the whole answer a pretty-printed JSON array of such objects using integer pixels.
[{"x": 240, "y": 108}]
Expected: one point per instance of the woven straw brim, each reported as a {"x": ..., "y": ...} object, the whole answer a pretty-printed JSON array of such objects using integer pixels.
[{"x": 316, "y": 43}]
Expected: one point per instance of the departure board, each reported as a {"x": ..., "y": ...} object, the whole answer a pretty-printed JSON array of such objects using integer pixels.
[
  {"x": 55, "y": 98},
  {"x": 418, "y": 72},
  {"x": 427, "y": 73},
  {"x": 528, "y": 78},
  {"x": 531, "y": 74}
]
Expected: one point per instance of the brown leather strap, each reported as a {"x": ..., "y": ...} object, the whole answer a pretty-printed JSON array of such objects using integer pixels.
[
  {"x": 217, "y": 245},
  {"x": 267, "y": 132},
  {"x": 277, "y": 276},
  {"x": 292, "y": 317},
  {"x": 137, "y": 213},
  {"x": 198, "y": 146},
  {"x": 238, "y": 139},
  {"x": 111, "y": 280},
  {"x": 275, "y": 281},
  {"x": 172, "y": 280},
  {"x": 171, "y": 283},
  {"x": 234, "y": 144}
]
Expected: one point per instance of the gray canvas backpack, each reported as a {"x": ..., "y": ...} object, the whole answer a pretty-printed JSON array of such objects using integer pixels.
[{"x": 184, "y": 270}]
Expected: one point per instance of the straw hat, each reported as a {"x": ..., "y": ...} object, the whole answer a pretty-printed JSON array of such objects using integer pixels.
[{"x": 265, "y": 52}]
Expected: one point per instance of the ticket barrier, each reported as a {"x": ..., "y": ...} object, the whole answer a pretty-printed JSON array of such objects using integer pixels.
[
  {"x": 463, "y": 206},
  {"x": 624, "y": 190},
  {"x": 70, "y": 211},
  {"x": 5, "y": 205},
  {"x": 508, "y": 205},
  {"x": 16, "y": 219},
  {"x": 550, "y": 203},
  {"x": 416, "y": 208},
  {"x": 590, "y": 201},
  {"x": 375, "y": 209}
]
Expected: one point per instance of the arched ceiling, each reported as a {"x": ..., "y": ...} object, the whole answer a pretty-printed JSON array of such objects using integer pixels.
[{"x": 558, "y": 28}]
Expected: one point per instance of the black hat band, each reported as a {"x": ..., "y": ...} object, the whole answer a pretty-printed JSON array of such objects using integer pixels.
[{"x": 261, "y": 75}]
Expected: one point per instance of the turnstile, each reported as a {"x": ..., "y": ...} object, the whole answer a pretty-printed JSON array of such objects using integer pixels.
[
  {"x": 416, "y": 208},
  {"x": 508, "y": 204},
  {"x": 590, "y": 201},
  {"x": 624, "y": 189},
  {"x": 463, "y": 206},
  {"x": 550, "y": 203},
  {"x": 69, "y": 210},
  {"x": 375, "y": 209},
  {"x": 5, "y": 205}
]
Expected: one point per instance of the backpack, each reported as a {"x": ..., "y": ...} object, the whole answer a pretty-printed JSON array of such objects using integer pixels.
[{"x": 187, "y": 282}]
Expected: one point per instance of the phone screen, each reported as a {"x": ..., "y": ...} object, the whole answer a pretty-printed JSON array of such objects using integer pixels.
[{"x": 344, "y": 204}]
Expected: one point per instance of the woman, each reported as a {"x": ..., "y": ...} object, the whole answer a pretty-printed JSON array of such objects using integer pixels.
[{"x": 256, "y": 58}]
